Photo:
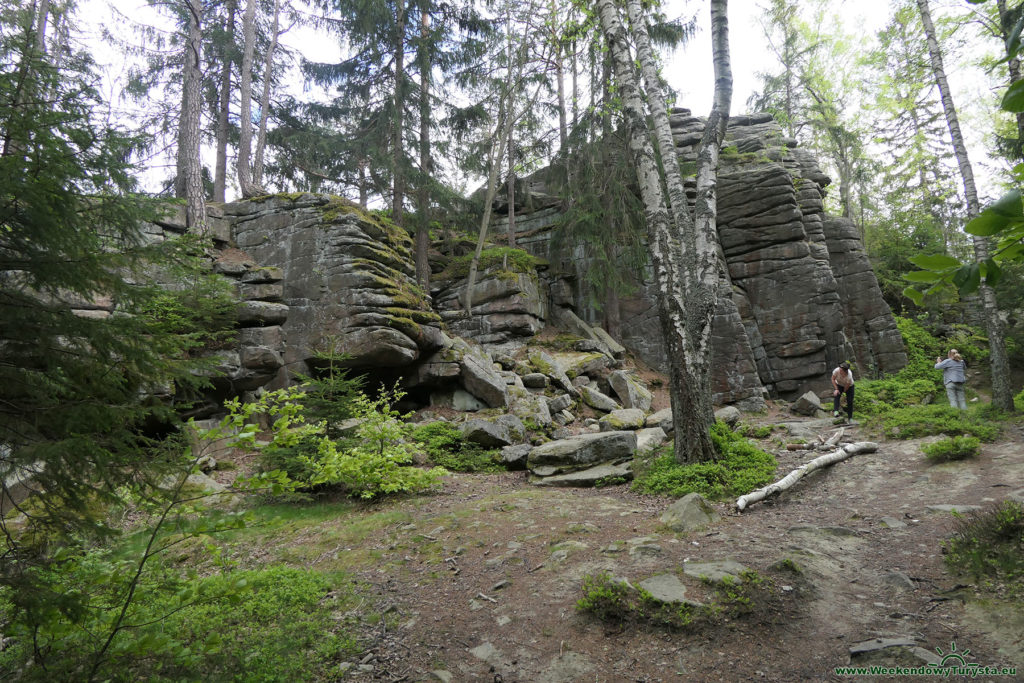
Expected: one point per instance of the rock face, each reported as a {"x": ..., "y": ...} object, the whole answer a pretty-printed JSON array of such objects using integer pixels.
[
  {"x": 348, "y": 280},
  {"x": 797, "y": 295}
]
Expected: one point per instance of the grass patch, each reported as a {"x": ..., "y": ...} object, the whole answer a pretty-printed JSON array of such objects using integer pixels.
[
  {"x": 953, "y": 448},
  {"x": 741, "y": 467},
  {"x": 509, "y": 260},
  {"x": 989, "y": 546}
]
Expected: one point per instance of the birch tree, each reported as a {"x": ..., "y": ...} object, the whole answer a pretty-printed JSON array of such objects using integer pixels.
[
  {"x": 1002, "y": 395},
  {"x": 683, "y": 246}
]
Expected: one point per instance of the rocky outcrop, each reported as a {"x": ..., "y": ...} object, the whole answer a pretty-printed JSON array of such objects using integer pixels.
[
  {"x": 797, "y": 294},
  {"x": 348, "y": 280}
]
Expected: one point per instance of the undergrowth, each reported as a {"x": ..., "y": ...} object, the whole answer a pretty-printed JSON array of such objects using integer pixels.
[
  {"x": 953, "y": 448},
  {"x": 989, "y": 546},
  {"x": 916, "y": 421},
  {"x": 740, "y": 468},
  {"x": 445, "y": 446}
]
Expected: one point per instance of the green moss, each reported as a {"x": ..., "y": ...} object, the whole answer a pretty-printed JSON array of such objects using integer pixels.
[
  {"x": 508, "y": 262},
  {"x": 416, "y": 315}
]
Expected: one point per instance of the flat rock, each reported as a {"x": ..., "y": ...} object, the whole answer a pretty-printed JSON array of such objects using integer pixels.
[
  {"x": 689, "y": 513},
  {"x": 715, "y": 571},
  {"x": 891, "y": 652},
  {"x": 667, "y": 588},
  {"x": 662, "y": 418},
  {"x": 627, "y": 418},
  {"x": 592, "y": 476},
  {"x": 952, "y": 508},
  {"x": 649, "y": 437},
  {"x": 584, "y": 450},
  {"x": 598, "y": 401},
  {"x": 569, "y": 666}
]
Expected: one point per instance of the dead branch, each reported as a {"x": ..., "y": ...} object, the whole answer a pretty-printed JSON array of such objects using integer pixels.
[{"x": 793, "y": 477}]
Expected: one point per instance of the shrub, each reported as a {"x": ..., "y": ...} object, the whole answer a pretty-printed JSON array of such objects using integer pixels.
[
  {"x": 444, "y": 445},
  {"x": 917, "y": 421},
  {"x": 605, "y": 597},
  {"x": 953, "y": 448},
  {"x": 989, "y": 545},
  {"x": 740, "y": 468}
]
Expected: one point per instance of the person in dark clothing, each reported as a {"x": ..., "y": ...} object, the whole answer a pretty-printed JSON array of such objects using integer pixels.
[{"x": 953, "y": 378}]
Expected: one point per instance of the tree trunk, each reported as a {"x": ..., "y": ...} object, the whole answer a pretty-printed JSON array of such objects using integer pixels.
[
  {"x": 35, "y": 49},
  {"x": 1002, "y": 395},
  {"x": 397, "y": 122},
  {"x": 245, "y": 182},
  {"x": 422, "y": 255},
  {"x": 190, "y": 174},
  {"x": 511, "y": 192},
  {"x": 220, "y": 173},
  {"x": 799, "y": 473},
  {"x": 684, "y": 251},
  {"x": 268, "y": 72}
]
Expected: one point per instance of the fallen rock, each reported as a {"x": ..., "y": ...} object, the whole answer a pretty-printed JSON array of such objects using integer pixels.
[
  {"x": 667, "y": 588},
  {"x": 598, "y": 401},
  {"x": 809, "y": 404},
  {"x": 730, "y": 415},
  {"x": 530, "y": 408},
  {"x": 689, "y": 513},
  {"x": 514, "y": 457},
  {"x": 649, "y": 437},
  {"x": 544, "y": 362},
  {"x": 617, "y": 420},
  {"x": 584, "y": 450},
  {"x": 630, "y": 390},
  {"x": 479, "y": 376},
  {"x": 715, "y": 571},
  {"x": 494, "y": 433},
  {"x": 592, "y": 476},
  {"x": 663, "y": 419},
  {"x": 891, "y": 652}
]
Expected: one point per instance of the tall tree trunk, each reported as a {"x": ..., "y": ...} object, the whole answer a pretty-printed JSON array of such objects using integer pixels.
[
  {"x": 220, "y": 173},
  {"x": 683, "y": 251},
  {"x": 268, "y": 73},
  {"x": 1002, "y": 395},
  {"x": 397, "y": 122},
  {"x": 422, "y": 255},
  {"x": 34, "y": 49},
  {"x": 190, "y": 176},
  {"x": 511, "y": 192},
  {"x": 245, "y": 182}
]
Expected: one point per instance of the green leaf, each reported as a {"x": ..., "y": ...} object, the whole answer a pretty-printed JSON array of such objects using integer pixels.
[
  {"x": 914, "y": 295},
  {"x": 1013, "y": 39},
  {"x": 986, "y": 224},
  {"x": 1013, "y": 100},
  {"x": 922, "y": 276},
  {"x": 935, "y": 262},
  {"x": 993, "y": 273},
  {"x": 967, "y": 279},
  {"x": 1008, "y": 205}
]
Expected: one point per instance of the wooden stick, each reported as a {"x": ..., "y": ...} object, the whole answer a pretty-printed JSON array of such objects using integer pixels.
[{"x": 793, "y": 477}]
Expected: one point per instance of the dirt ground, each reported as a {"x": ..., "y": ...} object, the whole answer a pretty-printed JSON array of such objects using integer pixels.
[{"x": 490, "y": 570}]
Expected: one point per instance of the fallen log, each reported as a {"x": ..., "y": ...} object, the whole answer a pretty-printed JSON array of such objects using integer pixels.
[{"x": 793, "y": 477}]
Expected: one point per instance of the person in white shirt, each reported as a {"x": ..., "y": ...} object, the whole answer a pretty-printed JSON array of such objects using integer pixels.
[{"x": 842, "y": 383}]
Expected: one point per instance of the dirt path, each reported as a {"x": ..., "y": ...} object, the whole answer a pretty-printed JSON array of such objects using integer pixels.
[{"x": 490, "y": 571}]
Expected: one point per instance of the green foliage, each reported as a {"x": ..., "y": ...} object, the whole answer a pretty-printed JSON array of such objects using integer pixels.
[
  {"x": 605, "y": 597},
  {"x": 989, "y": 545},
  {"x": 445, "y": 446},
  {"x": 953, "y": 448},
  {"x": 330, "y": 392},
  {"x": 505, "y": 259},
  {"x": 756, "y": 432},
  {"x": 922, "y": 348},
  {"x": 262, "y": 625},
  {"x": 914, "y": 422},
  {"x": 1018, "y": 401},
  {"x": 741, "y": 467}
]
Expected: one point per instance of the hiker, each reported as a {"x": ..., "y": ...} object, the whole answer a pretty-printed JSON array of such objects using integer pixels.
[
  {"x": 842, "y": 383},
  {"x": 953, "y": 378}
]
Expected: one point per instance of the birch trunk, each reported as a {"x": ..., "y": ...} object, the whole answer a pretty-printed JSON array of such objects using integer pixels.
[
  {"x": 245, "y": 182},
  {"x": 511, "y": 193},
  {"x": 799, "y": 473},
  {"x": 1002, "y": 395}
]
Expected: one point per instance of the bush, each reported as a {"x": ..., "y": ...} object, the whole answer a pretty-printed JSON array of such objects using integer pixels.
[
  {"x": 264, "y": 625},
  {"x": 953, "y": 448},
  {"x": 740, "y": 468},
  {"x": 917, "y": 421},
  {"x": 444, "y": 445},
  {"x": 989, "y": 545}
]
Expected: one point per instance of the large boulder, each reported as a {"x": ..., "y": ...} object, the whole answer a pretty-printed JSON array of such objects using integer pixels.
[
  {"x": 808, "y": 404},
  {"x": 546, "y": 363},
  {"x": 689, "y": 513},
  {"x": 504, "y": 430},
  {"x": 582, "y": 451},
  {"x": 479, "y": 376},
  {"x": 627, "y": 418},
  {"x": 630, "y": 390},
  {"x": 598, "y": 401},
  {"x": 530, "y": 408}
]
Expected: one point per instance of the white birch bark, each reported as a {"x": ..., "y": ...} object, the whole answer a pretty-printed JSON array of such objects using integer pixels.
[
  {"x": 1002, "y": 395},
  {"x": 245, "y": 182},
  {"x": 799, "y": 473}
]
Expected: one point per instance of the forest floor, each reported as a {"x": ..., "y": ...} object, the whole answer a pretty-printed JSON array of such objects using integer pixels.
[{"x": 479, "y": 582}]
